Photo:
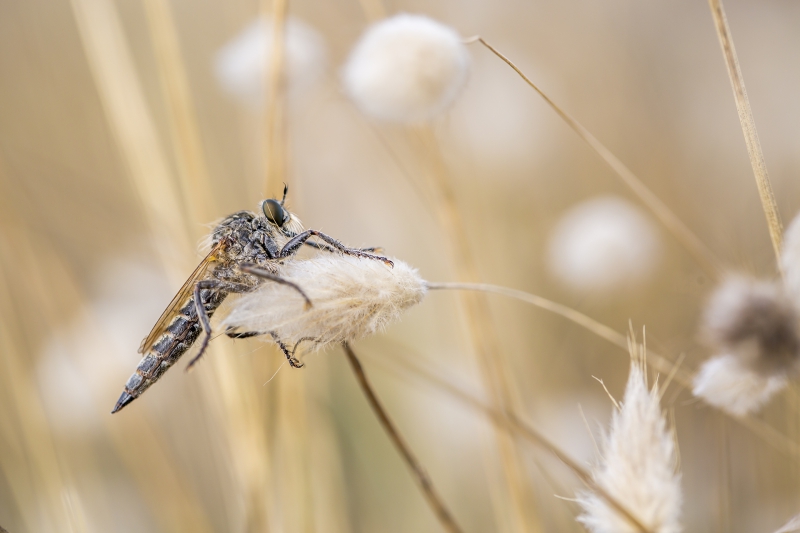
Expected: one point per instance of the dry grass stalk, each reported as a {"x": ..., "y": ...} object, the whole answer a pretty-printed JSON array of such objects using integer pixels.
[
  {"x": 435, "y": 501},
  {"x": 193, "y": 172},
  {"x": 107, "y": 50},
  {"x": 275, "y": 119},
  {"x": 494, "y": 371},
  {"x": 705, "y": 258},
  {"x": 132, "y": 125},
  {"x": 748, "y": 127},
  {"x": 32, "y": 463}
]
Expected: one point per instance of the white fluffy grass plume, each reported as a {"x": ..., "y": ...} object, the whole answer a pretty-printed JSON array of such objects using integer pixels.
[
  {"x": 407, "y": 68},
  {"x": 240, "y": 64},
  {"x": 753, "y": 326},
  {"x": 790, "y": 260},
  {"x": 352, "y": 298},
  {"x": 638, "y": 467},
  {"x": 603, "y": 244}
]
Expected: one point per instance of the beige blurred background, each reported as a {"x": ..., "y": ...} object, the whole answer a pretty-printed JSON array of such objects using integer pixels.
[{"x": 244, "y": 443}]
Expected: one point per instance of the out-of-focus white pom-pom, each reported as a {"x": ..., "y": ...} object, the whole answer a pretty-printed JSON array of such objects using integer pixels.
[
  {"x": 755, "y": 325},
  {"x": 240, "y": 64},
  {"x": 407, "y": 68},
  {"x": 726, "y": 383},
  {"x": 352, "y": 298},
  {"x": 756, "y": 322},
  {"x": 790, "y": 260},
  {"x": 603, "y": 244},
  {"x": 638, "y": 468}
]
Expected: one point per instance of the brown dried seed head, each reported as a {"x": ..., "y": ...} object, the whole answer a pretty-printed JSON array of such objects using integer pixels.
[{"x": 756, "y": 322}]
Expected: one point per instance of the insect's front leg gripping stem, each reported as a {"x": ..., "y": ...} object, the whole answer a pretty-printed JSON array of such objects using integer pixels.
[{"x": 291, "y": 247}]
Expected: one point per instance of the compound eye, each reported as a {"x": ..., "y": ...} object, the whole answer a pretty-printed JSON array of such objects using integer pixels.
[{"x": 274, "y": 212}]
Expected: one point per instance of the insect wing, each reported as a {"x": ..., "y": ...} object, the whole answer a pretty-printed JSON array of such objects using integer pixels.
[{"x": 183, "y": 294}]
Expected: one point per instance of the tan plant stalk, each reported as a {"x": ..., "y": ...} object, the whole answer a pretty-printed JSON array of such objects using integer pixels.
[
  {"x": 507, "y": 422},
  {"x": 132, "y": 125},
  {"x": 33, "y": 464},
  {"x": 432, "y": 497},
  {"x": 110, "y": 59},
  {"x": 758, "y": 427},
  {"x": 193, "y": 173},
  {"x": 494, "y": 369},
  {"x": 705, "y": 258},
  {"x": 748, "y": 127},
  {"x": 275, "y": 85}
]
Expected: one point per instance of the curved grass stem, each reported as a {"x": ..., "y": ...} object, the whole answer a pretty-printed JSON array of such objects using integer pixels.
[
  {"x": 758, "y": 427},
  {"x": 705, "y": 257}
]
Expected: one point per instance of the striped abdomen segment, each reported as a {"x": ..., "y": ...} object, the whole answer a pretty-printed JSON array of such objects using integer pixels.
[{"x": 178, "y": 337}]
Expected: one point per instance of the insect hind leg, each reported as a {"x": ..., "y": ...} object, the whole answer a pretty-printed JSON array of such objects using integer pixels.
[
  {"x": 202, "y": 314},
  {"x": 293, "y": 361}
]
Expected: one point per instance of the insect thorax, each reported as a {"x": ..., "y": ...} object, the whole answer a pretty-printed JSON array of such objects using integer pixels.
[{"x": 250, "y": 239}]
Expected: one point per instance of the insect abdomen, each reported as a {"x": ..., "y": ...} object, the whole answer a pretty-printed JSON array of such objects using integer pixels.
[{"x": 176, "y": 340}]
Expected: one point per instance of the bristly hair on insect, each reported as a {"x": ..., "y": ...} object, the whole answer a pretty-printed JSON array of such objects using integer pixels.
[{"x": 248, "y": 249}]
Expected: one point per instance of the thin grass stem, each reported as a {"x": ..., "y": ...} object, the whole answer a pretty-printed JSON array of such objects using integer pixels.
[
  {"x": 748, "y": 127},
  {"x": 494, "y": 368},
  {"x": 516, "y": 426},
  {"x": 702, "y": 254},
  {"x": 758, "y": 427},
  {"x": 274, "y": 119},
  {"x": 436, "y": 503}
]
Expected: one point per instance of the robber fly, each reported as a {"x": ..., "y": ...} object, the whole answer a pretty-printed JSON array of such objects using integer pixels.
[{"x": 247, "y": 249}]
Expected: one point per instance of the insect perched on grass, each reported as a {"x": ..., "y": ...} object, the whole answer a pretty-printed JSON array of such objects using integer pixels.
[{"x": 247, "y": 249}]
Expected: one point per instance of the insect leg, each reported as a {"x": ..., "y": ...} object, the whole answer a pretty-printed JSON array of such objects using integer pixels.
[
  {"x": 320, "y": 246},
  {"x": 243, "y": 335},
  {"x": 297, "y": 344},
  {"x": 291, "y": 247},
  {"x": 202, "y": 314},
  {"x": 250, "y": 268},
  {"x": 289, "y": 355}
]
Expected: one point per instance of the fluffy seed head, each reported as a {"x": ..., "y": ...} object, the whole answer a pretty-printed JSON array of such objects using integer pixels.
[
  {"x": 407, "y": 68},
  {"x": 790, "y": 260},
  {"x": 352, "y": 298},
  {"x": 638, "y": 465},
  {"x": 727, "y": 383},
  {"x": 757, "y": 323},
  {"x": 603, "y": 244},
  {"x": 240, "y": 64}
]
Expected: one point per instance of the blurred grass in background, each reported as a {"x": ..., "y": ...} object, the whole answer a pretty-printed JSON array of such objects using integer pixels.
[{"x": 246, "y": 444}]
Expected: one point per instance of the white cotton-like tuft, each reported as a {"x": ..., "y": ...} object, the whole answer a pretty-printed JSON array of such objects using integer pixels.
[
  {"x": 240, "y": 64},
  {"x": 407, "y": 68},
  {"x": 790, "y": 526},
  {"x": 352, "y": 298},
  {"x": 728, "y": 384},
  {"x": 756, "y": 322},
  {"x": 638, "y": 467},
  {"x": 754, "y": 326},
  {"x": 790, "y": 260},
  {"x": 602, "y": 245}
]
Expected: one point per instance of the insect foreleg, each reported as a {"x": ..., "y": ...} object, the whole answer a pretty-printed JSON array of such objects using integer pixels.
[
  {"x": 250, "y": 268},
  {"x": 325, "y": 247},
  {"x": 291, "y": 247}
]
